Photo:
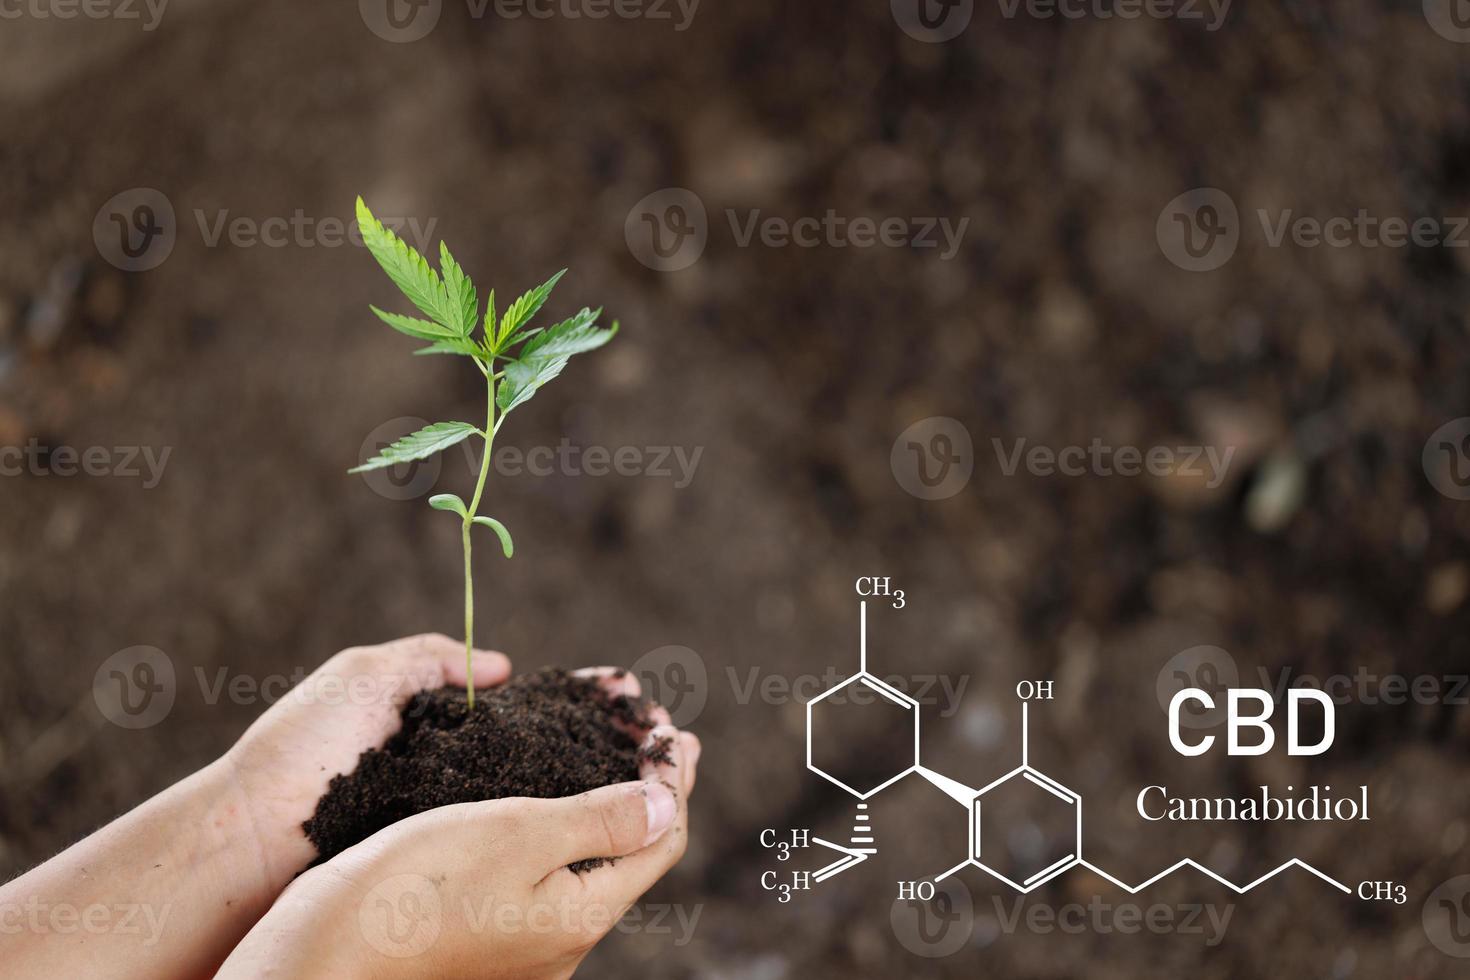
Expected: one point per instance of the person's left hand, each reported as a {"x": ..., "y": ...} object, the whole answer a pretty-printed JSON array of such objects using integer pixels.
[{"x": 284, "y": 762}]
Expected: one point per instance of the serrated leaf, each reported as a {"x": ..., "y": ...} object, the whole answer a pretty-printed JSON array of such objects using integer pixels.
[
  {"x": 524, "y": 308},
  {"x": 463, "y": 298},
  {"x": 408, "y": 269},
  {"x": 545, "y": 355},
  {"x": 523, "y": 379},
  {"x": 574, "y": 336},
  {"x": 412, "y": 326},
  {"x": 506, "y": 544},
  {"x": 453, "y": 345},
  {"x": 449, "y": 502},
  {"x": 489, "y": 327},
  {"x": 418, "y": 445}
]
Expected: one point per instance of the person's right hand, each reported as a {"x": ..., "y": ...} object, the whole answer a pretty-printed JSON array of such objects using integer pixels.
[{"x": 481, "y": 889}]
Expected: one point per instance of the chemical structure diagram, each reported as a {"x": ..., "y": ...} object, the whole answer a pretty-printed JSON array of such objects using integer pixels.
[{"x": 1025, "y": 789}]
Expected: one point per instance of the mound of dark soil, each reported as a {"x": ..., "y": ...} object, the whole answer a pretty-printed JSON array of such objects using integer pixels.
[{"x": 547, "y": 734}]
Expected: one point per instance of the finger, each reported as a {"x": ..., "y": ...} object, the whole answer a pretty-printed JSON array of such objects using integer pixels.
[
  {"x": 610, "y": 822},
  {"x": 613, "y": 680},
  {"x": 692, "y": 751},
  {"x": 670, "y": 756},
  {"x": 618, "y": 683},
  {"x": 659, "y": 758},
  {"x": 488, "y": 668},
  {"x": 433, "y": 660},
  {"x": 618, "y": 886}
]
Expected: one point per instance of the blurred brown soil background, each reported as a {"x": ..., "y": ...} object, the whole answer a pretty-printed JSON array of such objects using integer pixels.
[{"x": 1059, "y": 321}]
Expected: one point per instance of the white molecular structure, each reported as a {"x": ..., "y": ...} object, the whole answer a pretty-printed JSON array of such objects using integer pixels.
[{"x": 863, "y": 840}]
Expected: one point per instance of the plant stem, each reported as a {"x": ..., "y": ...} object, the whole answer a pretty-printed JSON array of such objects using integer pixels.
[
  {"x": 469, "y": 581},
  {"x": 469, "y": 620}
]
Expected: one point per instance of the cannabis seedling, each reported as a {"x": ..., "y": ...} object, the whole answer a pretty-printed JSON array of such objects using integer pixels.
[{"x": 512, "y": 376}]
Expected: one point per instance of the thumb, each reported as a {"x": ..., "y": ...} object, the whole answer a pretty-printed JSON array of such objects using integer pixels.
[{"x": 608, "y": 822}]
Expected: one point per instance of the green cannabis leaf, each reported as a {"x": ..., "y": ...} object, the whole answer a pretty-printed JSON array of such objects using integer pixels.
[
  {"x": 464, "y": 304},
  {"x": 419, "y": 445},
  {"x": 407, "y": 268},
  {"x": 450, "y": 302},
  {"x": 523, "y": 309}
]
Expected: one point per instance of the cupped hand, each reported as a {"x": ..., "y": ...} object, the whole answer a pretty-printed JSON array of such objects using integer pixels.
[
  {"x": 352, "y": 703},
  {"x": 483, "y": 889}
]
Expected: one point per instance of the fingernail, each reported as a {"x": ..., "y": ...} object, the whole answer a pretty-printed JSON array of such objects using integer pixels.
[{"x": 661, "y": 809}]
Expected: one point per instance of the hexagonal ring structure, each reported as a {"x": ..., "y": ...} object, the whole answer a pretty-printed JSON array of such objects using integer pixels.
[
  {"x": 1043, "y": 791},
  {"x": 890, "y": 699}
]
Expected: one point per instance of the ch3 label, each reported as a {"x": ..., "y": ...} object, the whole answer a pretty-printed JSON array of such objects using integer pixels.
[
  {"x": 1383, "y": 891},
  {"x": 875, "y": 586}
]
